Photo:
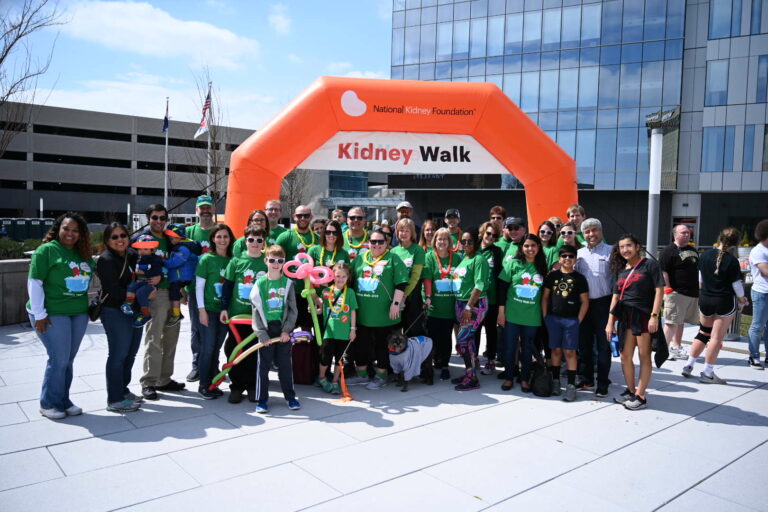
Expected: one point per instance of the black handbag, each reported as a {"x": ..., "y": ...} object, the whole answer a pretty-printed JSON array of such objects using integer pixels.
[
  {"x": 94, "y": 308},
  {"x": 541, "y": 379}
]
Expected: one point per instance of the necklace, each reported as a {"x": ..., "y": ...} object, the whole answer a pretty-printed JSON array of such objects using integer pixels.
[
  {"x": 322, "y": 256},
  {"x": 349, "y": 242},
  {"x": 372, "y": 263},
  {"x": 458, "y": 241},
  {"x": 331, "y": 299},
  {"x": 443, "y": 271},
  {"x": 312, "y": 237}
]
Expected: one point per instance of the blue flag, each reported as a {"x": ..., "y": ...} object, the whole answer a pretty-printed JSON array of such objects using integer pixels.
[{"x": 165, "y": 119}]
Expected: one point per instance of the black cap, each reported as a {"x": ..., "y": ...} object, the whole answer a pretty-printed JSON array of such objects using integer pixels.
[
  {"x": 509, "y": 221},
  {"x": 452, "y": 212}
]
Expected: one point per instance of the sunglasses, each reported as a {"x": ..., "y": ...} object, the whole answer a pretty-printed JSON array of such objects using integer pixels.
[
  {"x": 491, "y": 234},
  {"x": 388, "y": 235},
  {"x": 303, "y": 215},
  {"x": 115, "y": 237},
  {"x": 467, "y": 242},
  {"x": 568, "y": 256},
  {"x": 355, "y": 217},
  {"x": 513, "y": 227},
  {"x": 332, "y": 232},
  {"x": 568, "y": 232},
  {"x": 159, "y": 217},
  {"x": 276, "y": 260},
  {"x": 377, "y": 242},
  {"x": 252, "y": 240},
  {"x": 545, "y": 232},
  {"x": 557, "y": 226}
]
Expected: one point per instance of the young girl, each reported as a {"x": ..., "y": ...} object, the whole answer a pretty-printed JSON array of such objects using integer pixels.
[{"x": 339, "y": 305}]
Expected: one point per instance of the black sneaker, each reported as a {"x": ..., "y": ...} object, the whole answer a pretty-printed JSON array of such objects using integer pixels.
[
  {"x": 626, "y": 396},
  {"x": 235, "y": 396},
  {"x": 467, "y": 384},
  {"x": 172, "y": 386},
  {"x": 445, "y": 374},
  {"x": 149, "y": 393},
  {"x": 207, "y": 394},
  {"x": 636, "y": 404},
  {"x": 217, "y": 392},
  {"x": 602, "y": 391},
  {"x": 756, "y": 364}
]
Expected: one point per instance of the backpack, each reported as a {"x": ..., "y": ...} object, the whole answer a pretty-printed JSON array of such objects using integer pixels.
[{"x": 541, "y": 379}]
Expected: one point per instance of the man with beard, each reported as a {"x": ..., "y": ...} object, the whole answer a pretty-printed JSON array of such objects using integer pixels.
[
  {"x": 356, "y": 238},
  {"x": 294, "y": 241}
]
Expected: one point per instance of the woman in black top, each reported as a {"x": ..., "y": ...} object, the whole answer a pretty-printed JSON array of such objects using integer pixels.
[
  {"x": 720, "y": 286},
  {"x": 489, "y": 235},
  {"x": 115, "y": 268},
  {"x": 636, "y": 303}
]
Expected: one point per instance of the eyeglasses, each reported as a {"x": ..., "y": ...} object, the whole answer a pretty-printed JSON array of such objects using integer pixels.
[
  {"x": 568, "y": 256},
  {"x": 568, "y": 232},
  {"x": 355, "y": 217},
  {"x": 377, "y": 242},
  {"x": 303, "y": 215},
  {"x": 273, "y": 209},
  {"x": 159, "y": 217},
  {"x": 276, "y": 260},
  {"x": 513, "y": 227},
  {"x": 467, "y": 242},
  {"x": 252, "y": 240},
  {"x": 497, "y": 217},
  {"x": 545, "y": 232},
  {"x": 115, "y": 237},
  {"x": 331, "y": 233},
  {"x": 259, "y": 220},
  {"x": 491, "y": 234}
]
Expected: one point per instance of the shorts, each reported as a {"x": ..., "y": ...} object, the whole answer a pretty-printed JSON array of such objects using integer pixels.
[
  {"x": 632, "y": 319},
  {"x": 720, "y": 306},
  {"x": 681, "y": 309},
  {"x": 563, "y": 332},
  {"x": 332, "y": 350}
]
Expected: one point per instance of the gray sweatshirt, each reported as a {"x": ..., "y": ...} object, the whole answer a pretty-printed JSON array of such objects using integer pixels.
[{"x": 289, "y": 312}]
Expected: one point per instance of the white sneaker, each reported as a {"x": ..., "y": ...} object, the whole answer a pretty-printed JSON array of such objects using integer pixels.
[
  {"x": 376, "y": 383},
  {"x": 53, "y": 414},
  {"x": 74, "y": 411}
]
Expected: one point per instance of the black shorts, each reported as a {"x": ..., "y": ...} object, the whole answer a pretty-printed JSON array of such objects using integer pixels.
[
  {"x": 720, "y": 306},
  {"x": 332, "y": 350}
]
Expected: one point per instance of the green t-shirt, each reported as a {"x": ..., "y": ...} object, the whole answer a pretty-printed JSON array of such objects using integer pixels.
[
  {"x": 360, "y": 244},
  {"x": 470, "y": 274},
  {"x": 243, "y": 272},
  {"x": 375, "y": 287},
  {"x": 65, "y": 276},
  {"x": 274, "y": 233},
  {"x": 413, "y": 255},
  {"x": 272, "y": 292},
  {"x": 340, "y": 320},
  {"x": 509, "y": 254},
  {"x": 330, "y": 259},
  {"x": 455, "y": 240},
  {"x": 491, "y": 289},
  {"x": 212, "y": 267},
  {"x": 502, "y": 244},
  {"x": 443, "y": 299},
  {"x": 552, "y": 254},
  {"x": 523, "y": 304},
  {"x": 198, "y": 234},
  {"x": 239, "y": 248}
]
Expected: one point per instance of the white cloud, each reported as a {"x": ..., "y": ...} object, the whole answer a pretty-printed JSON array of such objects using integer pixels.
[
  {"x": 295, "y": 58},
  {"x": 338, "y": 67},
  {"x": 366, "y": 74},
  {"x": 384, "y": 10},
  {"x": 142, "y": 28},
  {"x": 278, "y": 19}
]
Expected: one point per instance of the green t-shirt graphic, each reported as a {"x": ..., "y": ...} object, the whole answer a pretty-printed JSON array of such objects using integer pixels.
[
  {"x": 244, "y": 272},
  {"x": 273, "y": 292},
  {"x": 440, "y": 272},
  {"x": 212, "y": 268},
  {"x": 375, "y": 287},
  {"x": 340, "y": 317},
  {"x": 324, "y": 257},
  {"x": 65, "y": 276},
  {"x": 523, "y": 304},
  {"x": 470, "y": 274}
]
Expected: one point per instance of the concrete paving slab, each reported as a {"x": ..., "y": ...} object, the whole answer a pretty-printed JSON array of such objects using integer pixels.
[
  {"x": 12, "y": 413},
  {"x": 27, "y": 467},
  {"x": 555, "y": 495},
  {"x": 90, "y": 401},
  {"x": 105, "y": 489},
  {"x": 703, "y": 502},
  {"x": 30, "y": 391}
]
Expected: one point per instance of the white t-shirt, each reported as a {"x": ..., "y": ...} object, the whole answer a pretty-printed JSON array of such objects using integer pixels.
[{"x": 758, "y": 255}]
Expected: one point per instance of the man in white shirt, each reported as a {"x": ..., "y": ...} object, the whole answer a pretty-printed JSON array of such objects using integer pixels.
[{"x": 758, "y": 266}]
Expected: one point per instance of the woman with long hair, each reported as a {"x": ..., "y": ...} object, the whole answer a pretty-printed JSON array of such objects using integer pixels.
[
  {"x": 59, "y": 276},
  {"x": 721, "y": 295},
  {"x": 428, "y": 230},
  {"x": 635, "y": 305},
  {"x": 489, "y": 235},
  {"x": 568, "y": 236},
  {"x": 257, "y": 219},
  {"x": 330, "y": 248},
  {"x": 548, "y": 235},
  {"x": 519, "y": 292},
  {"x": 413, "y": 257}
]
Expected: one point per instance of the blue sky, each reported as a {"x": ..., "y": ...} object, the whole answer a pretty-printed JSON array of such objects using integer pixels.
[{"x": 126, "y": 57}]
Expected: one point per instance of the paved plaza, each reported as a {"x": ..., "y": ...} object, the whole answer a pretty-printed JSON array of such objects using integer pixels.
[{"x": 697, "y": 447}]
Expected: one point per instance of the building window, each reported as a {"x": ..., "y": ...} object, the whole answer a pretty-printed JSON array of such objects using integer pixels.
[
  {"x": 762, "y": 79},
  {"x": 717, "y": 149},
  {"x": 756, "y": 24},
  {"x": 725, "y": 18},
  {"x": 716, "y": 88},
  {"x": 749, "y": 148}
]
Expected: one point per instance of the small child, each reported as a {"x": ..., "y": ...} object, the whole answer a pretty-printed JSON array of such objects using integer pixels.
[
  {"x": 274, "y": 316},
  {"x": 340, "y": 311},
  {"x": 181, "y": 265},
  {"x": 148, "y": 265}
]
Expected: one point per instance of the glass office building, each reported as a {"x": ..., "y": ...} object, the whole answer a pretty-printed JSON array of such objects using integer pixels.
[{"x": 588, "y": 72}]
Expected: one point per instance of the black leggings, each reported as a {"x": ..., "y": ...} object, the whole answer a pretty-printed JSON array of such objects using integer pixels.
[
  {"x": 441, "y": 332},
  {"x": 371, "y": 345},
  {"x": 414, "y": 318},
  {"x": 242, "y": 376}
]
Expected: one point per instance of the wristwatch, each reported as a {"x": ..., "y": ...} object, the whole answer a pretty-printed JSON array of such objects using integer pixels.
[
  {"x": 396, "y": 303},
  {"x": 467, "y": 308},
  {"x": 654, "y": 315}
]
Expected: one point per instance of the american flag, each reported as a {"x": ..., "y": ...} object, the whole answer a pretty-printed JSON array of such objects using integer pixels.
[
  {"x": 204, "y": 121},
  {"x": 166, "y": 119}
]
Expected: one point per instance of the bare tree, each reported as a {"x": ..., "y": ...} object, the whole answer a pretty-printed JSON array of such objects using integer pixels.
[
  {"x": 294, "y": 189},
  {"x": 19, "y": 69}
]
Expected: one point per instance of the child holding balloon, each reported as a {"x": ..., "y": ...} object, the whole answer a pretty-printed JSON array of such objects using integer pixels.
[{"x": 274, "y": 316}]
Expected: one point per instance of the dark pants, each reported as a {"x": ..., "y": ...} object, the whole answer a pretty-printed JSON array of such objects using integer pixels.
[
  {"x": 526, "y": 334},
  {"x": 371, "y": 345},
  {"x": 280, "y": 353},
  {"x": 242, "y": 377},
  {"x": 198, "y": 333},
  {"x": 303, "y": 316},
  {"x": 413, "y": 315},
  {"x": 123, "y": 342},
  {"x": 491, "y": 332},
  {"x": 141, "y": 288},
  {"x": 175, "y": 288},
  {"x": 212, "y": 339},
  {"x": 441, "y": 332},
  {"x": 591, "y": 332}
]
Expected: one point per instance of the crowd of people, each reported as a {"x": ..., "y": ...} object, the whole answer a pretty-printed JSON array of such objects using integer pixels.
[{"x": 556, "y": 296}]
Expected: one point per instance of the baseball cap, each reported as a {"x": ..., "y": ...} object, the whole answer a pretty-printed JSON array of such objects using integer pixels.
[
  {"x": 404, "y": 204},
  {"x": 203, "y": 200},
  {"x": 452, "y": 212},
  {"x": 510, "y": 221},
  {"x": 175, "y": 230},
  {"x": 145, "y": 242}
]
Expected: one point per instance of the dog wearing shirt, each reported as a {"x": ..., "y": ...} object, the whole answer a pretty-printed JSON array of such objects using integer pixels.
[{"x": 410, "y": 357}]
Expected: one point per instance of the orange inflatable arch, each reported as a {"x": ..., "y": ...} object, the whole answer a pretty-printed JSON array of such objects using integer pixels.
[{"x": 332, "y": 105}]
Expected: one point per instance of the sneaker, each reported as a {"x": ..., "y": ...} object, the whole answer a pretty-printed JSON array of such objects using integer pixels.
[
  {"x": 674, "y": 354},
  {"x": 570, "y": 393},
  {"x": 556, "y": 389},
  {"x": 53, "y": 414},
  {"x": 467, "y": 384},
  {"x": 171, "y": 386},
  {"x": 376, "y": 383},
  {"x": 133, "y": 398},
  {"x": 294, "y": 404},
  {"x": 711, "y": 379},
  {"x": 458, "y": 380},
  {"x": 123, "y": 406},
  {"x": 173, "y": 319},
  {"x": 217, "y": 392},
  {"x": 127, "y": 308},
  {"x": 140, "y": 320},
  {"x": 756, "y": 364},
  {"x": 602, "y": 391},
  {"x": 235, "y": 396},
  {"x": 687, "y": 371},
  {"x": 636, "y": 403},
  {"x": 207, "y": 394},
  {"x": 327, "y": 386},
  {"x": 356, "y": 381},
  {"x": 193, "y": 375},
  {"x": 585, "y": 385},
  {"x": 445, "y": 374},
  {"x": 489, "y": 369},
  {"x": 73, "y": 410},
  {"x": 335, "y": 388},
  {"x": 626, "y": 396},
  {"x": 262, "y": 407},
  {"x": 149, "y": 393}
]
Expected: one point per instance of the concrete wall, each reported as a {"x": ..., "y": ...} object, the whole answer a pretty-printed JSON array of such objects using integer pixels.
[{"x": 13, "y": 291}]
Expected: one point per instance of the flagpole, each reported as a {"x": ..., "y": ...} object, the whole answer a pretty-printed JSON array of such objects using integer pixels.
[
  {"x": 208, "y": 153},
  {"x": 165, "y": 177}
]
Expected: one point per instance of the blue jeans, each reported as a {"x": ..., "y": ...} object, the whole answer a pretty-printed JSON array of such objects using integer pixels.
[
  {"x": 213, "y": 338},
  {"x": 141, "y": 288},
  {"x": 123, "y": 341},
  {"x": 61, "y": 340},
  {"x": 758, "y": 329},
  {"x": 526, "y": 334},
  {"x": 198, "y": 333}
]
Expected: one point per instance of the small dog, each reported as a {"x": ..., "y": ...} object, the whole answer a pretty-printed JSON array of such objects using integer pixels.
[{"x": 410, "y": 357}]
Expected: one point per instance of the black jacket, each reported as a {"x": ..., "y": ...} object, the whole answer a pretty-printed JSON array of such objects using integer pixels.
[{"x": 108, "y": 268}]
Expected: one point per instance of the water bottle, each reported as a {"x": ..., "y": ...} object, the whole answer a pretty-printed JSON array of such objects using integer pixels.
[{"x": 615, "y": 345}]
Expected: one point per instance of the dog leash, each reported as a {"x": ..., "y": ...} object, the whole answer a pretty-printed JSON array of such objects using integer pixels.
[{"x": 414, "y": 321}]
